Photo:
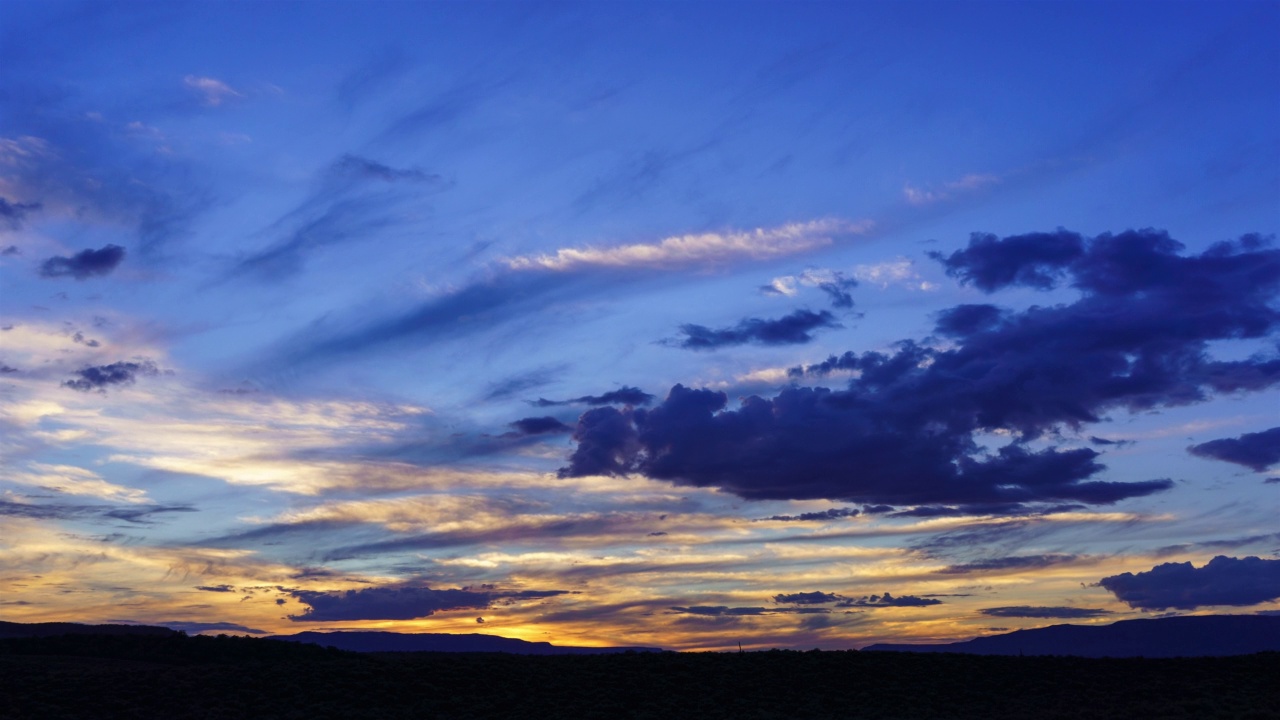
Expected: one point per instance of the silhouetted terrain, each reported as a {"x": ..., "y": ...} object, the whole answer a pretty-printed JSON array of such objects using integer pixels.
[
  {"x": 179, "y": 677},
  {"x": 12, "y": 629},
  {"x": 1201, "y": 636},
  {"x": 357, "y": 641}
]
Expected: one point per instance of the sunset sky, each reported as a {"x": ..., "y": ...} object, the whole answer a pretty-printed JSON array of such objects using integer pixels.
[{"x": 671, "y": 324}]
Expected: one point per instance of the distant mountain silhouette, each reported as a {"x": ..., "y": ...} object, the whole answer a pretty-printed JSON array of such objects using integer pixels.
[
  {"x": 360, "y": 641},
  {"x": 55, "y": 629},
  {"x": 1192, "y": 636}
]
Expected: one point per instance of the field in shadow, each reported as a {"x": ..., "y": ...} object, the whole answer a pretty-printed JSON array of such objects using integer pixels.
[{"x": 175, "y": 676}]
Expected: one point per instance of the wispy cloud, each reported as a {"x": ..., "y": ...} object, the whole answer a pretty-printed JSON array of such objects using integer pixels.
[
  {"x": 946, "y": 191},
  {"x": 700, "y": 249},
  {"x": 213, "y": 92}
]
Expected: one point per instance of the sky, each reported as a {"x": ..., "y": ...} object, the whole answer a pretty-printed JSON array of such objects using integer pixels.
[{"x": 672, "y": 324}]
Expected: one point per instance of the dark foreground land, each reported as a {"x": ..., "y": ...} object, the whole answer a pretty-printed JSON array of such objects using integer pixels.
[{"x": 175, "y": 676}]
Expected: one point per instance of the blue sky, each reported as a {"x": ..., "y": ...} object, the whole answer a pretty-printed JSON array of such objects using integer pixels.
[{"x": 400, "y": 315}]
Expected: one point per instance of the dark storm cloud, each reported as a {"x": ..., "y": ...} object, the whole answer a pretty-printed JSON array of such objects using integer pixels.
[
  {"x": 100, "y": 377},
  {"x": 540, "y": 426},
  {"x": 1256, "y": 451},
  {"x": 1015, "y": 563},
  {"x": 904, "y": 430},
  {"x": 832, "y": 514},
  {"x": 793, "y": 329},
  {"x": 1027, "y": 611},
  {"x": 12, "y": 215},
  {"x": 85, "y": 264},
  {"x": 403, "y": 603},
  {"x": 621, "y": 396},
  {"x": 1223, "y": 581}
]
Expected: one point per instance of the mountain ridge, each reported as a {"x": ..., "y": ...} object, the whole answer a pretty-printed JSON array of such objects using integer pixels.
[{"x": 1184, "y": 636}]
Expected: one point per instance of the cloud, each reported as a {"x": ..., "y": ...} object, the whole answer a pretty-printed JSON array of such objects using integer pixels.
[
  {"x": 706, "y": 248},
  {"x": 1256, "y": 451},
  {"x": 967, "y": 184},
  {"x": 216, "y": 588},
  {"x": 1015, "y": 563},
  {"x": 821, "y": 516},
  {"x": 540, "y": 426},
  {"x": 832, "y": 282},
  {"x": 1222, "y": 581},
  {"x": 793, "y": 329},
  {"x": 364, "y": 168},
  {"x": 355, "y": 198},
  {"x": 12, "y": 214},
  {"x": 622, "y": 396},
  {"x": 900, "y": 272},
  {"x": 72, "y": 480},
  {"x": 1027, "y": 611},
  {"x": 888, "y": 600},
  {"x": 85, "y": 264},
  {"x": 213, "y": 91},
  {"x": 406, "y": 602},
  {"x": 905, "y": 429},
  {"x": 1038, "y": 260},
  {"x": 138, "y": 514},
  {"x": 806, "y": 598},
  {"x": 100, "y": 377}
]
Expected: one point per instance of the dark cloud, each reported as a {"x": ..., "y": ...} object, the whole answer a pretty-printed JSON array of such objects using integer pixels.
[
  {"x": 363, "y": 168},
  {"x": 725, "y": 611},
  {"x": 888, "y": 600},
  {"x": 1256, "y": 451},
  {"x": 1223, "y": 581},
  {"x": 216, "y": 588},
  {"x": 12, "y": 215},
  {"x": 1027, "y": 611},
  {"x": 540, "y": 426},
  {"x": 1037, "y": 260},
  {"x": 384, "y": 603},
  {"x": 1010, "y": 564},
  {"x": 520, "y": 383},
  {"x": 403, "y": 603},
  {"x": 904, "y": 431},
  {"x": 10, "y": 251},
  {"x": 100, "y": 377},
  {"x": 136, "y": 514},
  {"x": 84, "y": 264},
  {"x": 793, "y": 329},
  {"x": 838, "y": 289},
  {"x": 4, "y": 369},
  {"x": 832, "y": 514},
  {"x": 1095, "y": 440},
  {"x": 1228, "y": 544},
  {"x": 355, "y": 199},
  {"x": 621, "y": 396},
  {"x": 806, "y": 598}
]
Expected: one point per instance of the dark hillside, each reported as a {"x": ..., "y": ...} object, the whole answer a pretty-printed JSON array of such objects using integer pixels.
[
  {"x": 218, "y": 677},
  {"x": 1196, "y": 636}
]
